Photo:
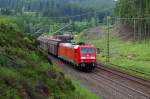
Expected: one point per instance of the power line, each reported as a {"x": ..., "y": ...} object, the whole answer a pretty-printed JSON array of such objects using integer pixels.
[{"x": 62, "y": 28}]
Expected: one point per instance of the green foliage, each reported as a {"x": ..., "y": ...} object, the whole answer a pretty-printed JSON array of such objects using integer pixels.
[
  {"x": 79, "y": 26},
  {"x": 131, "y": 9},
  {"x": 25, "y": 72},
  {"x": 84, "y": 93},
  {"x": 53, "y": 8}
]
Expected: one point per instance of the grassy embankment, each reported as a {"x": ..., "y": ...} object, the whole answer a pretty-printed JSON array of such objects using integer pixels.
[
  {"x": 25, "y": 72},
  {"x": 130, "y": 56},
  {"x": 84, "y": 92}
]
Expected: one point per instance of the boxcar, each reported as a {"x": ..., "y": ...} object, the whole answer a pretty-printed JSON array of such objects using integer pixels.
[
  {"x": 53, "y": 46},
  {"x": 42, "y": 43}
]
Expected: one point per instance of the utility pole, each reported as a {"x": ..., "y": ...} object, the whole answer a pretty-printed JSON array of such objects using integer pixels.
[
  {"x": 108, "y": 40},
  {"x": 134, "y": 30}
]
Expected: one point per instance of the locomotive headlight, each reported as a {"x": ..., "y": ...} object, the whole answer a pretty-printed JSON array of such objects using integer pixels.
[
  {"x": 83, "y": 57},
  {"x": 92, "y": 57}
]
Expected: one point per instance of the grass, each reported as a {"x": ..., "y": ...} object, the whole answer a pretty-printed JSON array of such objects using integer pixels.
[
  {"x": 81, "y": 91},
  {"x": 133, "y": 57},
  {"x": 84, "y": 92}
]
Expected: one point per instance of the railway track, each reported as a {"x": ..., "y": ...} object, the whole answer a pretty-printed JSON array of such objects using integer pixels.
[
  {"x": 123, "y": 79},
  {"x": 109, "y": 83},
  {"x": 125, "y": 75},
  {"x": 121, "y": 89}
]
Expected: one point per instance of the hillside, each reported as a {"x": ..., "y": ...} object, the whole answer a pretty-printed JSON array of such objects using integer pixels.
[{"x": 24, "y": 72}]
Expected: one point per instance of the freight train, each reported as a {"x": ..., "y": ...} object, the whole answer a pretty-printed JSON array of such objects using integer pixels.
[{"x": 81, "y": 56}]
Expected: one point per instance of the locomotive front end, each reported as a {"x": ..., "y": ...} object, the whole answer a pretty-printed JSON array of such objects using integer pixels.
[{"x": 88, "y": 57}]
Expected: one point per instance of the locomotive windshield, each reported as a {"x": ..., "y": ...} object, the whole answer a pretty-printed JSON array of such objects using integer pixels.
[{"x": 87, "y": 50}]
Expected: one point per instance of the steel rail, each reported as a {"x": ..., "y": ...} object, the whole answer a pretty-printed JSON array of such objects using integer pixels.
[
  {"x": 124, "y": 86},
  {"x": 113, "y": 87},
  {"x": 124, "y": 74}
]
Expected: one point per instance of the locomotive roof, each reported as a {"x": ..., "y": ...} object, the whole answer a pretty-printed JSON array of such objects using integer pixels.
[
  {"x": 74, "y": 45},
  {"x": 67, "y": 45}
]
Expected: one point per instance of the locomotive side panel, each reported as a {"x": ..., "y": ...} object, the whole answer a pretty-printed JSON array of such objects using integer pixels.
[{"x": 66, "y": 52}]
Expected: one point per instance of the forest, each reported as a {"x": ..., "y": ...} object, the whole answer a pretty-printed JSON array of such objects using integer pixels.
[
  {"x": 137, "y": 11},
  {"x": 53, "y": 8},
  {"x": 133, "y": 8},
  {"x": 47, "y": 11}
]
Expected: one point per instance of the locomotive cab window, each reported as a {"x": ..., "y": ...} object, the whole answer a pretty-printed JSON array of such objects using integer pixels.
[{"x": 87, "y": 50}]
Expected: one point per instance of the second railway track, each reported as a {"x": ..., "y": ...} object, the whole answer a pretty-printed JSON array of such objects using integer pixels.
[
  {"x": 131, "y": 89},
  {"x": 125, "y": 75}
]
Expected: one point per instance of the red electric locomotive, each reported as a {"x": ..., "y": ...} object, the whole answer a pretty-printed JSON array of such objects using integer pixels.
[{"x": 82, "y": 56}]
